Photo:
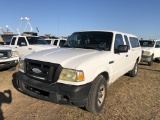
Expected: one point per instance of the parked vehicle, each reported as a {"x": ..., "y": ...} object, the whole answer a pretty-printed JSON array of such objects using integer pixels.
[
  {"x": 28, "y": 44},
  {"x": 80, "y": 71},
  {"x": 8, "y": 57},
  {"x": 150, "y": 50},
  {"x": 56, "y": 42}
]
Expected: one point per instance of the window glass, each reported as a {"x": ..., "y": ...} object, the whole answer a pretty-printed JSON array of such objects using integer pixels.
[
  {"x": 134, "y": 42},
  {"x": 48, "y": 41},
  {"x": 118, "y": 41},
  {"x": 36, "y": 40},
  {"x": 62, "y": 42},
  {"x": 145, "y": 43},
  {"x": 126, "y": 40},
  {"x": 55, "y": 42},
  {"x": 21, "y": 41},
  {"x": 90, "y": 40},
  {"x": 13, "y": 41},
  {"x": 157, "y": 44}
]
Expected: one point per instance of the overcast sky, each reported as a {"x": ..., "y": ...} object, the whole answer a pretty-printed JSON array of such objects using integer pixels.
[{"x": 63, "y": 17}]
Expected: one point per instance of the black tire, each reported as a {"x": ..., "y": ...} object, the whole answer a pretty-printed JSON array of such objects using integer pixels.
[
  {"x": 150, "y": 63},
  {"x": 97, "y": 95},
  {"x": 134, "y": 71}
]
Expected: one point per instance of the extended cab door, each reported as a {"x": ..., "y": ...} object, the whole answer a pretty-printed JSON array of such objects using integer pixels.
[
  {"x": 120, "y": 59},
  {"x": 22, "y": 47},
  {"x": 157, "y": 50}
]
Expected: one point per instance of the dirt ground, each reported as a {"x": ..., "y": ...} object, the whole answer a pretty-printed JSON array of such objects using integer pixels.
[{"x": 128, "y": 98}]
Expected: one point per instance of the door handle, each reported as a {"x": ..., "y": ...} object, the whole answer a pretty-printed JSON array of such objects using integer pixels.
[
  {"x": 126, "y": 55},
  {"x": 15, "y": 47},
  {"x": 30, "y": 48}
]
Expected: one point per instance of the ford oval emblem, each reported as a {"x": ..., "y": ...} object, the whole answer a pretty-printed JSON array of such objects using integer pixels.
[{"x": 36, "y": 70}]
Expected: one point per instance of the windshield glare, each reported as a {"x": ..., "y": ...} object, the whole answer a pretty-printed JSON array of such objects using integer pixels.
[
  {"x": 147, "y": 43},
  {"x": 90, "y": 40},
  {"x": 36, "y": 40}
]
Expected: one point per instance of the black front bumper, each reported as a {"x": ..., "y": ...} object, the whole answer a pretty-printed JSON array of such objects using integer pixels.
[
  {"x": 8, "y": 64},
  {"x": 54, "y": 92}
]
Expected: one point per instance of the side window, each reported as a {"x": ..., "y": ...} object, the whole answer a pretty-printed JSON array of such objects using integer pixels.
[
  {"x": 61, "y": 42},
  {"x": 157, "y": 44},
  {"x": 134, "y": 42},
  {"x": 118, "y": 41},
  {"x": 21, "y": 41},
  {"x": 126, "y": 40},
  {"x": 13, "y": 41},
  {"x": 55, "y": 42}
]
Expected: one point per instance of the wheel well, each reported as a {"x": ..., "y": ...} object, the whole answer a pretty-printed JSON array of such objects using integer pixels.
[{"x": 105, "y": 75}]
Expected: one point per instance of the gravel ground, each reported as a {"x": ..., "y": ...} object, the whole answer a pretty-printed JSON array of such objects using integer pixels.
[{"x": 130, "y": 98}]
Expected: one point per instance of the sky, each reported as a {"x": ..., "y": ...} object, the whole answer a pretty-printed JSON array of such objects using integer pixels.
[{"x": 63, "y": 17}]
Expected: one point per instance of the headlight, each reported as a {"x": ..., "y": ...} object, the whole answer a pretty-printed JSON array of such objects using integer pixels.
[
  {"x": 71, "y": 75},
  {"x": 14, "y": 53},
  {"x": 21, "y": 64},
  {"x": 146, "y": 53}
]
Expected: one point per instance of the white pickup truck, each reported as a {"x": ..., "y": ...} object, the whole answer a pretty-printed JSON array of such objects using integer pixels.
[
  {"x": 80, "y": 71},
  {"x": 28, "y": 44},
  {"x": 150, "y": 50},
  {"x": 8, "y": 57}
]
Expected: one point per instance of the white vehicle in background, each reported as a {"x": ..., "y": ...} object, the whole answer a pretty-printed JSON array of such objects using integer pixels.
[
  {"x": 56, "y": 42},
  {"x": 8, "y": 57},
  {"x": 80, "y": 71},
  {"x": 25, "y": 44},
  {"x": 150, "y": 50}
]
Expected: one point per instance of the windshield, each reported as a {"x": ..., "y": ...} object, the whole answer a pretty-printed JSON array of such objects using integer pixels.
[
  {"x": 48, "y": 41},
  {"x": 90, "y": 40},
  {"x": 36, "y": 40},
  {"x": 147, "y": 43}
]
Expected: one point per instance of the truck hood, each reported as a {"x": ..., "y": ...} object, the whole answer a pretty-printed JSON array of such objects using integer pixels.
[
  {"x": 147, "y": 48},
  {"x": 67, "y": 57},
  {"x": 4, "y": 47}
]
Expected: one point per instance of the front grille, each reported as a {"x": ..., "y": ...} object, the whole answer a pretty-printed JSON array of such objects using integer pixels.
[
  {"x": 43, "y": 71},
  {"x": 5, "y": 54}
]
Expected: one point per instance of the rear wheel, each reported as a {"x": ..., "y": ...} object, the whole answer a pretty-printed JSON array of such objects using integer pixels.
[
  {"x": 150, "y": 63},
  {"x": 134, "y": 71},
  {"x": 97, "y": 95}
]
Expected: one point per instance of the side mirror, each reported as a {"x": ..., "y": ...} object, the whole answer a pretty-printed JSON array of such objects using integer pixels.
[{"x": 122, "y": 48}]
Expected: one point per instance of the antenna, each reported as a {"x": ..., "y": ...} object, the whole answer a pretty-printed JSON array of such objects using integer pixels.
[
  {"x": 19, "y": 26},
  {"x": 28, "y": 23},
  {"x": 7, "y": 26},
  {"x": 2, "y": 30}
]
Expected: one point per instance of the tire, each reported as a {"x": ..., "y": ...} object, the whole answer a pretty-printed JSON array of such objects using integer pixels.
[
  {"x": 97, "y": 95},
  {"x": 134, "y": 71},
  {"x": 150, "y": 63}
]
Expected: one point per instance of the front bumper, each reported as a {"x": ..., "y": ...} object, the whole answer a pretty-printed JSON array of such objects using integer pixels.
[
  {"x": 145, "y": 58},
  {"x": 8, "y": 63},
  {"x": 54, "y": 92}
]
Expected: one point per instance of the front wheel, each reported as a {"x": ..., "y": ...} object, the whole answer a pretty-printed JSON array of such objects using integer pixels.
[
  {"x": 97, "y": 95},
  {"x": 134, "y": 71}
]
